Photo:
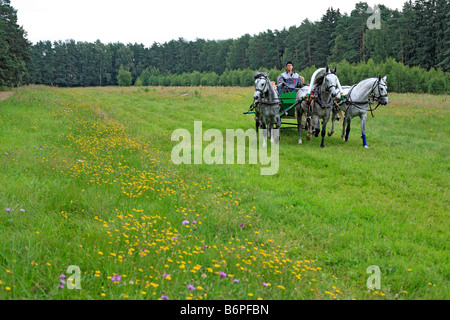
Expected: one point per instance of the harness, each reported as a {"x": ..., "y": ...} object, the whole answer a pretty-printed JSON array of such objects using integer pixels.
[
  {"x": 370, "y": 101},
  {"x": 316, "y": 95},
  {"x": 319, "y": 98}
]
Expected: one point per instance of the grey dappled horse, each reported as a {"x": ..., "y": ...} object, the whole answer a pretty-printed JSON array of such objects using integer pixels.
[
  {"x": 326, "y": 89},
  {"x": 358, "y": 99},
  {"x": 267, "y": 110}
]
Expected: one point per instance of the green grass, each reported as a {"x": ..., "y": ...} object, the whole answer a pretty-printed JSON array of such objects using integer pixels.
[{"x": 92, "y": 170}]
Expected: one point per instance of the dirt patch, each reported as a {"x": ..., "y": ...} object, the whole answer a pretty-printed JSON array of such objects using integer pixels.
[{"x": 5, "y": 94}]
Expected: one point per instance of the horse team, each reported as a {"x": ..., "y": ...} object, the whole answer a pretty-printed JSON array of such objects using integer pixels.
[{"x": 323, "y": 99}]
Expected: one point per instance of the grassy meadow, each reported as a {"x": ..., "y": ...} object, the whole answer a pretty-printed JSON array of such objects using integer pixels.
[{"x": 87, "y": 180}]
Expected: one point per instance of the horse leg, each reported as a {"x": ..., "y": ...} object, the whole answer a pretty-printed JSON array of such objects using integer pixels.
[
  {"x": 309, "y": 127},
  {"x": 346, "y": 128},
  {"x": 363, "y": 129},
  {"x": 322, "y": 144},
  {"x": 277, "y": 129},
  {"x": 264, "y": 127},
  {"x": 347, "y": 131},
  {"x": 272, "y": 139},
  {"x": 257, "y": 123},
  {"x": 269, "y": 126},
  {"x": 333, "y": 118},
  {"x": 299, "y": 115},
  {"x": 330, "y": 133},
  {"x": 324, "y": 129},
  {"x": 316, "y": 126}
]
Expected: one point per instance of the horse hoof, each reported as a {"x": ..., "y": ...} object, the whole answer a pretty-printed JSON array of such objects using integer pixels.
[
  {"x": 330, "y": 134},
  {"x": 308, "y": 137},
  {"x": 299, "y": 141}
]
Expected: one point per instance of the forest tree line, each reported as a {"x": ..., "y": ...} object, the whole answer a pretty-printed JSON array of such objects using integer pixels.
[
  {"x": 414, "y": 40},
  {"x": 401, "y": 78}
]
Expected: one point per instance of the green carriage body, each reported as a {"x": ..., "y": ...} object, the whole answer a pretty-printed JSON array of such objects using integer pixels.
[
  {"x": 287, "y": 102},
  {"x": 287, "y": 109}
]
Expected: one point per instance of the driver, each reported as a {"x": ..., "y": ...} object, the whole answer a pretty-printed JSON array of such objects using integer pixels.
[{"x": 289, "y": 81}]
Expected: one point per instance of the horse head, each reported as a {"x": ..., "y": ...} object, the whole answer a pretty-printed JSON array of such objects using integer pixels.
[
  {"x": 380, "y": 91},
  {"x": 330, "y": 82},
  {"x": 262, "y": 84}
]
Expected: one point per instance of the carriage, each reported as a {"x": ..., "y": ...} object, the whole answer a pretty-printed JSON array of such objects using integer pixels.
[
  {"x": 288, "y": 103},
  {"x": 324, "y": 99}
]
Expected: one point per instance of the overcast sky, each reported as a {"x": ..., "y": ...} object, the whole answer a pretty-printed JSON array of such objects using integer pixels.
[{"x": 149, "y": 21}]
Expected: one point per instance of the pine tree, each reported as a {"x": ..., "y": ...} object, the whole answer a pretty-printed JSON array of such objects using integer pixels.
[
  {"x": 325, "y": 36},
  {"x": 338, "y": 53},
  {"x": 442, "y": 25},
  {"x": 14, "y": 47},
  {"x": 292, "y": 50},
  {"x": 271, "y": 57},
  {"x": 237, "y": 55},
  {"x": 307, "y": 35},
  {"x": 353, "y": 28},
  {"x": 428, "y": 28}
]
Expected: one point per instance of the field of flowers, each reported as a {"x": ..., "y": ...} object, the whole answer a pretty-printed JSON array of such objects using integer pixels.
[{"x": 88, "y": 182}]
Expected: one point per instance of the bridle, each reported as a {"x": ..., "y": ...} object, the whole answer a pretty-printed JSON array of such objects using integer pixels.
[
  {"x": 319, "y": 100},
  {"x": 329, "y": 87},
  {"x": 377, "y": 84}
]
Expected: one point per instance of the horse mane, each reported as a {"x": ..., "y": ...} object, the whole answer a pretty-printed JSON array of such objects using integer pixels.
[
  {"x": 260, "y": 74},
  {"x": 363, "y": 81},
  {"x": 319, "y": 80}
]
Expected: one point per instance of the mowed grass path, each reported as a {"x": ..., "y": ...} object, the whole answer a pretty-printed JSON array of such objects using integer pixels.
[{"x": 87, "y": 180}]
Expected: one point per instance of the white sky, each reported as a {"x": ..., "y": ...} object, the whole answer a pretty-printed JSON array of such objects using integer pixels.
[{"x": 148, "y": 21}]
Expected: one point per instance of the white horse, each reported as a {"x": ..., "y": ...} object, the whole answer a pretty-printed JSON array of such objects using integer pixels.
[
  {"x": 267, "y": 107},
  {"x": 358, "y": 99},
  {"x": 326, "y": 89}
]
